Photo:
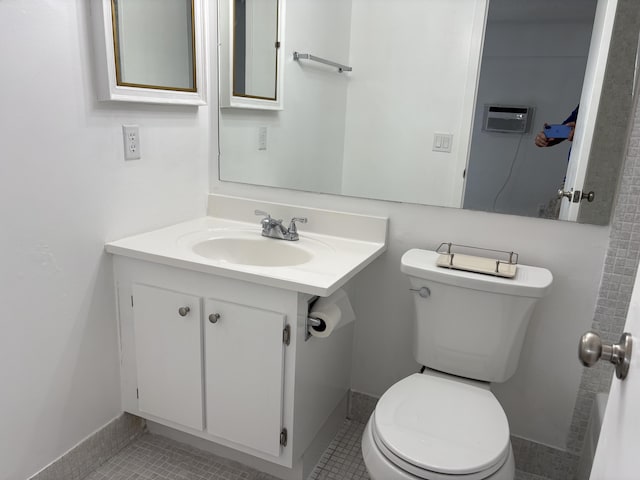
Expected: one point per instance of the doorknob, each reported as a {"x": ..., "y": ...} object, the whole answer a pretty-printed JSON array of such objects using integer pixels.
[
  {"x": 591, "y": 349},
  {"x": 588, "y": 196},
  {"x": 565, "y": 193},
  {"x": 576, "y": 196}
]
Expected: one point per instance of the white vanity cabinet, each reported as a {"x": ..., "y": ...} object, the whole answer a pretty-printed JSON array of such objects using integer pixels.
[{"x": 226, "y": 360}]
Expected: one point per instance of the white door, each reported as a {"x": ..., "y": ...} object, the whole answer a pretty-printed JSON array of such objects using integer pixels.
[
  {"x": 589, "y": 102},
  {"x": 618, "y": 452},
  {"x": 244, "y": 373}
]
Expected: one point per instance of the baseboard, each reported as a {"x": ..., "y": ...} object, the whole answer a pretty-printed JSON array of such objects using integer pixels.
[
  {"x": 94, "y": 450},
  {"x": 361, "y": 406}
]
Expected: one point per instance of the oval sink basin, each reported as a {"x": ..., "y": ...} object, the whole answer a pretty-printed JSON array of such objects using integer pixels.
[{"x": 263, "y": 252}]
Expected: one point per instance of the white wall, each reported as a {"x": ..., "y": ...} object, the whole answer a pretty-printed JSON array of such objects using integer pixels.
[
  {"x": 64, "y": 190},
  {"x": 306, "y": 154},
  {"x": 540, "y": 65},
  {"x": 540, "y": 398},
  {"x": 415, "y": 73}
]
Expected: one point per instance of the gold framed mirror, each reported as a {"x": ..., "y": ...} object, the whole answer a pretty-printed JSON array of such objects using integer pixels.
[{"x": 151, "y": 51}]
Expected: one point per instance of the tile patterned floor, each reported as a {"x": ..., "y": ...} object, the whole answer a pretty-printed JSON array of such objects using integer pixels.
[
  {"x": 153, "y": 457},
  {"x": 343, "y": 458}
]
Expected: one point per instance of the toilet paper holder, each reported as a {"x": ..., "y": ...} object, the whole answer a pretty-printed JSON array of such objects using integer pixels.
[
  {"x": 327, "y": 314},
  {"x": 310, "y": 321},
  {"x": 308, "y": 324}
]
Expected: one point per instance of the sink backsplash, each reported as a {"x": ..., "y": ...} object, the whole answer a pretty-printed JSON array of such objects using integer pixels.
[{"x": 328, "y": 222}]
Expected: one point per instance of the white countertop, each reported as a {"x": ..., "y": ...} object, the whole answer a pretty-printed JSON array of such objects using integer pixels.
[{"x": 335, "y": 259}]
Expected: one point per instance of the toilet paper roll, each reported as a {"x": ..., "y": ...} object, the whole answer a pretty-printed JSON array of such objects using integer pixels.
[{"x": 334, "y": 311}]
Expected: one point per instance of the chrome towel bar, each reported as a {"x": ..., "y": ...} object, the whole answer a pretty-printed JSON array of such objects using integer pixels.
[{"x": 307, "y": 56}]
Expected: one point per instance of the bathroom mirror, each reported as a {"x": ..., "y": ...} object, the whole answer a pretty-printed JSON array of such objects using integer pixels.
[
  {"x": 250, "y": 53},
  {"x": 409, "y": 122},
  {"x": 151, "y": 51}
]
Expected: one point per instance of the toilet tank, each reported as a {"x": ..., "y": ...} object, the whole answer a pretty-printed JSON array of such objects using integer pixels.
[{"x": 470, "y": 324}]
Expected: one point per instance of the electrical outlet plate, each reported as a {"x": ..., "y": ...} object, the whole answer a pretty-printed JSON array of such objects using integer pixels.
[
  {"x": 262, "y": 138},
  {"x": 131, "y": 136}
]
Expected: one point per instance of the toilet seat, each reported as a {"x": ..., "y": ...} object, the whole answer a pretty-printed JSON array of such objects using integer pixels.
[{"x": 435, "y": 427}]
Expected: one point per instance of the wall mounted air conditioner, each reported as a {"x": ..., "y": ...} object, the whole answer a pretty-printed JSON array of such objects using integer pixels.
[{"x": 507, "y": 118}]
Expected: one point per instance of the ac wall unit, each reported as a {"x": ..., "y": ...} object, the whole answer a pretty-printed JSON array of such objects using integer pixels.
[{"x": 507, "y": 118}]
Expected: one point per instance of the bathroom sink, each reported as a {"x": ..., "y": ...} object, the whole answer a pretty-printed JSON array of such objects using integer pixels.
[
  {"x": 259, "y": 251},
  {"x": 332, "y": 248}
]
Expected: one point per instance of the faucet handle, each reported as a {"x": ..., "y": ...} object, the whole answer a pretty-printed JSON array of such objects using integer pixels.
[
  {"x": 266, "y": 221},
  {"x": 292, "y": 225}
]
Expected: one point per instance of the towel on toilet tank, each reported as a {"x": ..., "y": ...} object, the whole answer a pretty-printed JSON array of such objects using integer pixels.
[{"x": 335, "y": 311}]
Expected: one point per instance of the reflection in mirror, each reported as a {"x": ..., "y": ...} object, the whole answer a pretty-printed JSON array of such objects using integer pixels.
[
  {"x": 154, "y": 44},
  {"x": 407, "y": 124},
  {"x": 255, "y": 43},
  {"x": 533, "y": 60}
]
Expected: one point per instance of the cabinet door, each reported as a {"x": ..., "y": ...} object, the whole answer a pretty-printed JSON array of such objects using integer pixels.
[
  {"x": 244, "y": 371},
  {"x": 169, "y": 354}
]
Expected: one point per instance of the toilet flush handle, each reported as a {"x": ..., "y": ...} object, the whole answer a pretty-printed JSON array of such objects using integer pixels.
[{"x": 424, "y": 292}]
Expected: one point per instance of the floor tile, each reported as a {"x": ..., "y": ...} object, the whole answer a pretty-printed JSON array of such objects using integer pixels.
[{"x": 153, "y": 457}]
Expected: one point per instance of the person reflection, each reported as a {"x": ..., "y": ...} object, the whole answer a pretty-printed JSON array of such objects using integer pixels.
[
  {"x": 552, "y": 208},
  {"x": 542, "y": 140}
]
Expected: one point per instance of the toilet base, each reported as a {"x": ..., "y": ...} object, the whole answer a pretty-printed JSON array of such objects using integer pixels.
[{"x": 380, "y": 468}]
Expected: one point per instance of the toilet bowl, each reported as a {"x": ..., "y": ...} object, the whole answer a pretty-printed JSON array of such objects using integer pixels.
[
  {"x": 431, "y": 427},
  {"x": 469, "y": 329}
]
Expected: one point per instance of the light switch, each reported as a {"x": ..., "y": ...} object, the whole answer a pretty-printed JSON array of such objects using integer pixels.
[{"x": 442, "y": 142}]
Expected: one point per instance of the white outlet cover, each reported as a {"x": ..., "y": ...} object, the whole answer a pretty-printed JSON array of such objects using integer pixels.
[{"x": 131, "y": 138}]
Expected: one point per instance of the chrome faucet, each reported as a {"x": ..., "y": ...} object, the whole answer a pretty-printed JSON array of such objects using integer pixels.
[{"x": 273, "y": 228}]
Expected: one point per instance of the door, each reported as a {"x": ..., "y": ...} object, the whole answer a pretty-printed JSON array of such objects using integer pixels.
[
  {"x": 244, "y": 372},
  {"x": 589, "y": 102},
  {"x": 167, "y": 330},
  {"x": 619, "y": 443}
]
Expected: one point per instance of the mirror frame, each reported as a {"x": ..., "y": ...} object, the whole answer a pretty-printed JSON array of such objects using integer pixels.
[
  {"x": 226, "y": 14},
  {"x": 105, "y": 46}
]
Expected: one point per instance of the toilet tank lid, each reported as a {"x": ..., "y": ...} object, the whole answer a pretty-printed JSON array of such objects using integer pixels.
[{"x": 528, "y": 282}]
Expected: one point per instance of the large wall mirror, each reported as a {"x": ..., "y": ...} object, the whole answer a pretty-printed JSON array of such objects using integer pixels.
[
  {"x": 151, "y": 50},
  {"x": 415, "y": 120}
]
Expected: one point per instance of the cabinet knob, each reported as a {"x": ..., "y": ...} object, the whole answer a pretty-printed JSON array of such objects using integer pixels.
[
  {"x": 183, "y": 311},
  {"x": 214, "y": 317}
]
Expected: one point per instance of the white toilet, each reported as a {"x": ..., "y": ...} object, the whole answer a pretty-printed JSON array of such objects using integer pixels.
[{"x": 445, "y": 423}]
